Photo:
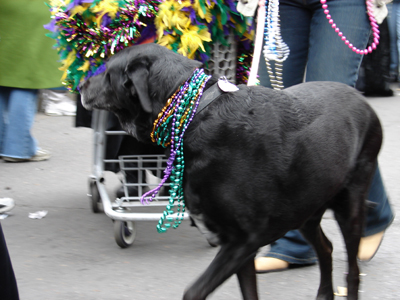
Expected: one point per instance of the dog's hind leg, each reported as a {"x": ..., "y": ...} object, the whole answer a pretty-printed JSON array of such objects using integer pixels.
[
  {"x": 312, "y": 231},
  {"x": 247, "y": 279},
  {"x": 349, "y": 208},
  {"x": 349, "y": 213},
  {"x": 231, "y": 259},
  {"x": 351, "y": 227}
]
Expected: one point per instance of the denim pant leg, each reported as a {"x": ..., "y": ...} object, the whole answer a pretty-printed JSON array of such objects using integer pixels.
[
  {"x": 329, "y": 58},
  {"x": 392, "y": 23},
  {"x": 4, "y": 95},
  {"x": 396, "y": 10},
  {"x": 18, "y": 141},
  {"x": 295, "y": 28},
  {"x": 293, "y": 248},
  {"x": 316, "y": 51},
  {"x": 379, "y": 214}
]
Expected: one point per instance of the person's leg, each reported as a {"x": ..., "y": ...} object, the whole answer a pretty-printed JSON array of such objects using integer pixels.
[
  {"x": 377, "y": 66},
  {"x": 342, "y": 66},
  {"x": 380, "y": 214},
  {"x": 4, "y": 95},
  {"x": 379, "y": 217},
  {"x": 295, "y": 29},
  {"x": 396, "y": 9},
  {"x": 8, "y": 284},
  {"x": 394, "y": 53},
  {"x": 292, "y": 248},
  {"x": 330, "y": 59},
  {"x": 18, "y": 141}
]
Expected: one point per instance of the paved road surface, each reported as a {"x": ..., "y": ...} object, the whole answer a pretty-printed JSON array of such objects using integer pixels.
[{"x": 71, "y": 254}]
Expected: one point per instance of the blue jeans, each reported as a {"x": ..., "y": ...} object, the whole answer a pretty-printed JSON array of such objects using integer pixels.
[
  {"x": 294, "y": 249},
  {"x": 17, "y": 112},
  {"x": 316, "y": 51},
  {"x": 394, "y": 31},
  {"x": 318, "y": 54}
]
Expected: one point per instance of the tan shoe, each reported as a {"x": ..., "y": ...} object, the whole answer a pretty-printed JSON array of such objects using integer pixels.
[
  {"x": 369, "y": 245},
  {"x": 40, "y": 155},
  {"x": 270, "y": 264}
]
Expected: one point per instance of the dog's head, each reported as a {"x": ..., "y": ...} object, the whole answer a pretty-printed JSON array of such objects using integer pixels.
[{"x": 136, "y": 84}]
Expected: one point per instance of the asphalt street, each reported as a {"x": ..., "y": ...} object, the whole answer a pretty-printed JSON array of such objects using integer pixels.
[{"x": 71, "y": 253}]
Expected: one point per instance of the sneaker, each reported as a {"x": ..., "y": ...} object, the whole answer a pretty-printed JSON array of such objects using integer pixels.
[
  {"x": 6, "y": 204},
  {"x": 39, "y": 156}
]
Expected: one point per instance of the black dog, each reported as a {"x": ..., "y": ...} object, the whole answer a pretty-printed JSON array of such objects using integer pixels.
[{"x": 259, "y": 162}]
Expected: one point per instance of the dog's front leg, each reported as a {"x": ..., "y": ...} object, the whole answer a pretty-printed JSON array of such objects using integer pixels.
[
  {"x": 247, "y": 279},
  {"x": 228, "y": 261}
]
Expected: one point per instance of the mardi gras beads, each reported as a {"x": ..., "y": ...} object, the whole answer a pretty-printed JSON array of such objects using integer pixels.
[
  {"x": 275, "y": 48},
  {"x": 168, "y": 131}
]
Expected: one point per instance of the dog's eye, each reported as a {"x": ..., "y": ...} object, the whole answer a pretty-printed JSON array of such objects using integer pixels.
[{"x": 127, "y": 84}]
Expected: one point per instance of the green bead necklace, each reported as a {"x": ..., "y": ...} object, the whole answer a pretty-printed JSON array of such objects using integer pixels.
[{"x": 168, "y": 131}]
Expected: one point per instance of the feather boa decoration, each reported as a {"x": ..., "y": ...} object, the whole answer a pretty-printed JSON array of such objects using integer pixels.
[
  {"x": 190, "y": 26},
  {"x": 88, "y": 32}
]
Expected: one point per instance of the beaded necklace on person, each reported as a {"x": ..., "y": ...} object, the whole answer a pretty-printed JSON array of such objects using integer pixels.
[
  {"x": 168, "y": 130},
  {"x": 275, "y": 49},
  {"x": 374, "y": 26}
]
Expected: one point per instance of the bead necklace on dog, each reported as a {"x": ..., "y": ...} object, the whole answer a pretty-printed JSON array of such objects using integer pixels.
[{"x": 168, "y": 130}]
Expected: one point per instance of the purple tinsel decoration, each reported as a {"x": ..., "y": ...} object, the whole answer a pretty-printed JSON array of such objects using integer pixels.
[
  {"x": 106, "y": 21},
  {"x": 77, "y": 2},
  {"x": 51, "y": 26}
]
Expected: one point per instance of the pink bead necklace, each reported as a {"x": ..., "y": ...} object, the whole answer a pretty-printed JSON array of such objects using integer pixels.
[
  {"x": 260, "y": 32},
  {"x": 374, "y": 25}
]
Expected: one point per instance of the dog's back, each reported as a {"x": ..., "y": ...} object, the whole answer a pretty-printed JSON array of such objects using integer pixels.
[{"x": 264, "y": 144}]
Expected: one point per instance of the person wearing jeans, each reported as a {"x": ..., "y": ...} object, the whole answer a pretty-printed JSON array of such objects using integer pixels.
[
  {"x": 318, "y": 54},
  {"x": 394, "y": 31},
  {"x": 18, "y": 108},
  {"x": 28, "y": 63}
]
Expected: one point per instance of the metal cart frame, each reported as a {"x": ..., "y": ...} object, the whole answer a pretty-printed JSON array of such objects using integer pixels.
[{"x": 122, "y": 210}]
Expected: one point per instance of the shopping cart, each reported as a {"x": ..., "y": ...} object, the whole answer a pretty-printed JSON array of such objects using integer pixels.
[{"x": 126, "y": 210}]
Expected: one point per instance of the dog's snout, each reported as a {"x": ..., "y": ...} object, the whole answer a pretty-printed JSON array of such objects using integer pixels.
[
  {"x": 82, "y": 87},
  {"x": 83, "y": 84}
]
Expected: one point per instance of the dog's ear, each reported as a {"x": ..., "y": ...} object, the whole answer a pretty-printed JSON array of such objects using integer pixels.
[{"x": 138, "y": 73}]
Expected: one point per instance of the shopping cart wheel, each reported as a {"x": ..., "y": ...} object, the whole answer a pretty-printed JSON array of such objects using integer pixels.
[
  {"x": 124, "y": 233},
  {"x": 94, "y": 197}
]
